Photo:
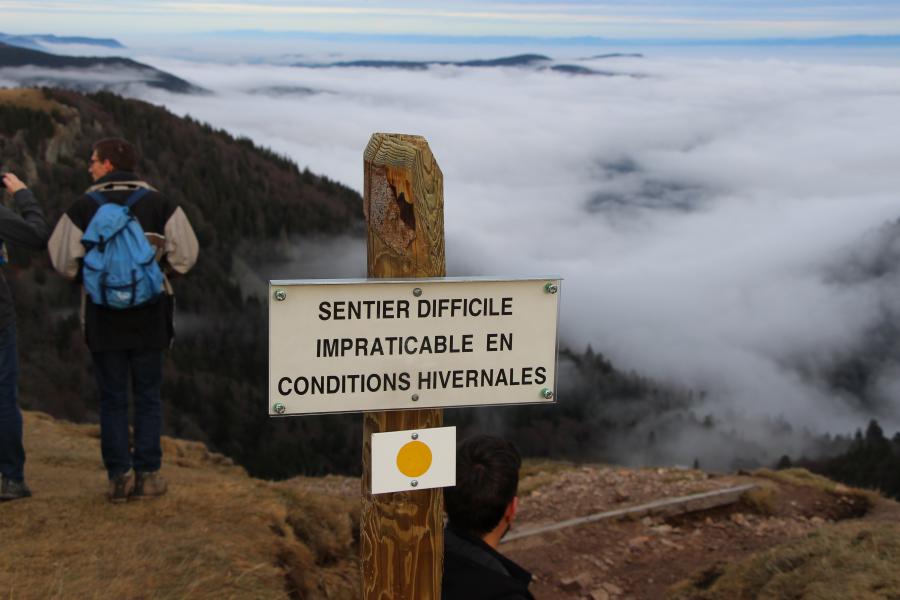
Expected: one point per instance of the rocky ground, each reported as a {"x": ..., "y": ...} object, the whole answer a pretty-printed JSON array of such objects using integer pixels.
[{"x": 643, "y": 557}]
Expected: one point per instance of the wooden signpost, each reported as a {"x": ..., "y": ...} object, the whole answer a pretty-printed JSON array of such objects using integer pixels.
[
  {"x": 431, "y": 342},
  {"x": 402, "y": 534}
]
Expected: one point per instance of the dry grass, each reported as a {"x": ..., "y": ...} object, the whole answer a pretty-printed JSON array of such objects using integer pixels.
[
  {"x": 762, "y": 500},
  {"x": 536, "y": 473},
  {"x": 850, "y": 560},
  {"x": 27, "y": 98},
  {"x": 805, "y": 478},
  {"x": 217, "y": 534},
  {"x": 677, "y": 476},
  {"x": 798, "y": 477}
]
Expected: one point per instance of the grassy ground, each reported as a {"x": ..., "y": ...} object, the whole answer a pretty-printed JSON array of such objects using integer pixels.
[
  {"x": 849, "y": 560},
  {"x": 808, "y": 479},
  {"x": 536, "y": 473},
  {"x": 27, "y": 98},
  {"x": 853, "y": 559},
  {"x": 217, "y": 534}
]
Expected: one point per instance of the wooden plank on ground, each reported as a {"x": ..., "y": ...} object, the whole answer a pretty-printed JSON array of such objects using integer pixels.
[{"x": 668, "y": 507}]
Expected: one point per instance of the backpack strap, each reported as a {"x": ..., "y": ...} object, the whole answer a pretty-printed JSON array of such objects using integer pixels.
[
  {"x": 97, "y": 197},
  {"x": 135, "y": 196}
]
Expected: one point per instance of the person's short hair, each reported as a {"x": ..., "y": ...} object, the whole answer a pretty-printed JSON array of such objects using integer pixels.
[
  {"x": 120, "y": 153},
  {"x": 487, "y": 478}
]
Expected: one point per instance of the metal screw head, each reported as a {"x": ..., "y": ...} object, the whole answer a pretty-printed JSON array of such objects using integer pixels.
[
  {"x": 415, "y": 436},
  {"x": 547, "y": 394},
  {"x": 551, "y": 288},
  {"x": 414, "y": 483},
  {"x": 414, "y": 397},
  {"x": 280, "y": 295},
  {"x": 279, "y": 408},
  {"x": 417, "y": 292}
]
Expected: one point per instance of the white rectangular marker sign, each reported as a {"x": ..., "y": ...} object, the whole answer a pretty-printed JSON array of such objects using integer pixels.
[
  {"x": 367, "y": 345},
  {"x": 418, "y": 459}
]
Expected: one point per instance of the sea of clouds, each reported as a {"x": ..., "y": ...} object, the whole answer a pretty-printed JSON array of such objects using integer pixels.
[{"x": 703, "y": 213}]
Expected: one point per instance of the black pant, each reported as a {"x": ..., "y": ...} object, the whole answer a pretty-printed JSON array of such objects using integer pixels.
[
  {"x": 12, "y": 453},
  {"x": 112, "y": 370}
]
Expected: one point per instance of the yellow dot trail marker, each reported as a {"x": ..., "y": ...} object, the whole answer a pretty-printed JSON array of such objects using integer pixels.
[{"x": 414, "y": 459}]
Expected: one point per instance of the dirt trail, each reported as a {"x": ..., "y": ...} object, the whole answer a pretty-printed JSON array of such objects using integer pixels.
[{"x": 641, "y": 558}]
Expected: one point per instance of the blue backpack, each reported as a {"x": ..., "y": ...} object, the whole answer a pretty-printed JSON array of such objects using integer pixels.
[{"x": 120, "y": 269}]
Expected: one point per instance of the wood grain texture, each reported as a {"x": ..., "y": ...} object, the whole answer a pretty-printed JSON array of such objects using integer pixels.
[{"x": 401, "y": 534}]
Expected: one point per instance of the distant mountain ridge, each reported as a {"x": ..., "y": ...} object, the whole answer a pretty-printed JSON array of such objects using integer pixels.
[
  {"x": 37, "y": 41},
  {"x": 87, "y": 73},
  {"x": 519, "y": 60},
  {"x": 538, "y": 61}
]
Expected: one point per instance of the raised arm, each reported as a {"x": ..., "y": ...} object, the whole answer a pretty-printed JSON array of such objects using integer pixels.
[{"x": 27, "y": 227}]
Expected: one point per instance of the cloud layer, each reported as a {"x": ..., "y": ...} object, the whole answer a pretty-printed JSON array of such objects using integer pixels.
[{"x": 697, "y": 211}]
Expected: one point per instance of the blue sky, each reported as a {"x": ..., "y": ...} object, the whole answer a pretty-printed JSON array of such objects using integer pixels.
[{"x": 646, "y": 19}]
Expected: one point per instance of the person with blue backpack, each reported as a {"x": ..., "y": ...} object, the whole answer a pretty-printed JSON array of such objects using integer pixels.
[
  {"x": 25, "y": 227},
  {"x": 123, "y": 240}
]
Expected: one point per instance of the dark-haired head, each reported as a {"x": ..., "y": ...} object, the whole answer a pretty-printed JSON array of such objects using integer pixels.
[
  {"x": 120, "y": 153},
  {"x": 487, "y": 479}
]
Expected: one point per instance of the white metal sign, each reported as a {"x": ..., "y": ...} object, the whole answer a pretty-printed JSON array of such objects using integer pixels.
[
  {"x": 420, "y": 459},
  {"x": 364, "y": 345}
]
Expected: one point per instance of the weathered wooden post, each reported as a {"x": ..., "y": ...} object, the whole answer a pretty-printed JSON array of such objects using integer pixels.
[{"x": 401, "y": 534}]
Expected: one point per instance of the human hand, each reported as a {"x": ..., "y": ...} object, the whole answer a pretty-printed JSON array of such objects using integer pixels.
[{"x": 12, "y": 183}]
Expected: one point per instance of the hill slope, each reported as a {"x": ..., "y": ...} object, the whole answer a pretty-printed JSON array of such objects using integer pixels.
[
  {"x": 217, "y": 534},
  {"x": 221, "y": 534},
  {"x": 30, "y": 67},
  {"x": 247, "y": 205}
]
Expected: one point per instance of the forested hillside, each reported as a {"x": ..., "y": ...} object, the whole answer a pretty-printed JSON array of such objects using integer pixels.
[
  {"x": 248, "y": 205},
  {"x": 871, "y": 461},
  {"x": 242, "y": 200}
]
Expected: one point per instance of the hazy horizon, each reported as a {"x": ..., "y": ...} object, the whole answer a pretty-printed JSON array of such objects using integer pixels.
[{"x": 635, "y": 19}]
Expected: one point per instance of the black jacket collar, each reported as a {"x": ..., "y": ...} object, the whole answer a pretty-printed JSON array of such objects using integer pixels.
[
  {"x": 477, "y": 551},
  {"x": 116, "y": 176}
]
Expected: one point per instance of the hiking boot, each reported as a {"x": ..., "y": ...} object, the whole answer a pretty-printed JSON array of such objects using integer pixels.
[
  {"x": 121, "y": 487},
  {"x": 149, "y": 484},
  {"x": 13, "y": 490}
]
